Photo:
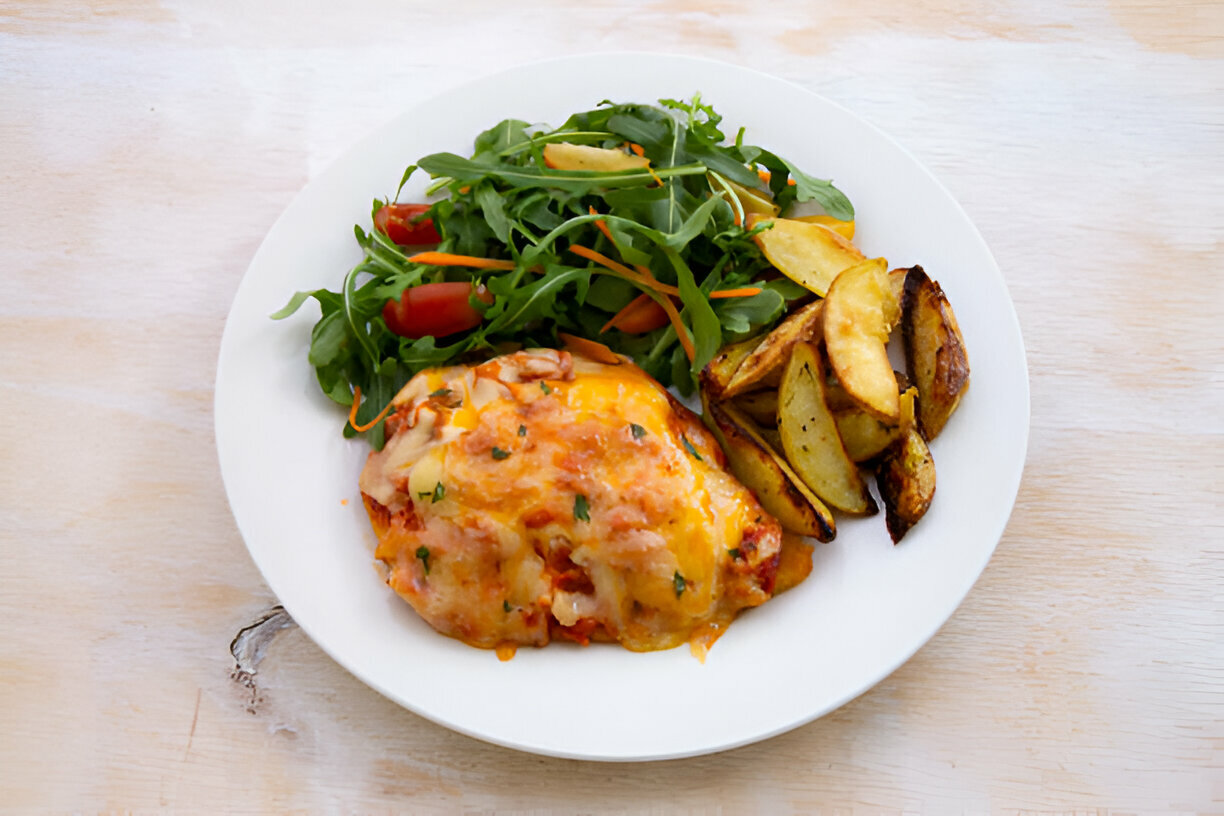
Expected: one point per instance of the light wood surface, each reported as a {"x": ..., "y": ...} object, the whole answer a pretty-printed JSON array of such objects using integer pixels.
[{"x": 146, "y": 147}]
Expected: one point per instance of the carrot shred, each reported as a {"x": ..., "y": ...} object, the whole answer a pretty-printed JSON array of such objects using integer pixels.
[
  {"x": 681, "y": 333},
  {"x": 631, "y": 310},
  {"x": 590, "y": 348},
  {"x": 642, "y": 276},
  {"x": 603, "y": 226},
  {"x": 353, "y": 413},
  {"x": 637, "y": 149},
  {"x": 766, "y": 176},
  {"x": 449, "y": 259},
  {"x": 746, "y": 291}
]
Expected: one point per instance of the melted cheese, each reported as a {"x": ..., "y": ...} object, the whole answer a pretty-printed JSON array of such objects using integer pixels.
[{"x": 521, "y": 445}]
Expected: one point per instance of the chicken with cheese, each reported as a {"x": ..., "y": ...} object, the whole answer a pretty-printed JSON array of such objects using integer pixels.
[{"x": 543, "y": 495}]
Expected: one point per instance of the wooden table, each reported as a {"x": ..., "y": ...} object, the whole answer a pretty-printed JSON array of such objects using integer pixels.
[{"x": 145, "y": 148}]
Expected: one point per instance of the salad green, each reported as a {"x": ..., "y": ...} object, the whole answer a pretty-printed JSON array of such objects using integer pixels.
[{"x": 676, "y": 224}]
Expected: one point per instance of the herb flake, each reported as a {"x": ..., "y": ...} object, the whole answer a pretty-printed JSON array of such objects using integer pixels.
[
  {"x": 679, "y": 583},
  {"x": 500, "y": 454},
  {"x": 581, "y": 508},
  {"x": 637, "y": 430},
  {"x": 423, "y": 554},
  {"x": 439, "y": 493},
  {"x": 688, "y": 446}
]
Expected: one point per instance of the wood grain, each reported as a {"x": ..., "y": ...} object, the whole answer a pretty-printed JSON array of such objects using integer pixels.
[{"x": 148, "y": 146}]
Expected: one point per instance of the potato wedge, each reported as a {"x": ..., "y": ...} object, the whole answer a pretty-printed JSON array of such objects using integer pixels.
[
  {"x": 809, "y": 254},
  {"x": 864, "y": 436},
  {"x": 568, "y": 156},
  {"x": 716, "y": 376},
  {"x": 781, "y": 492},
  {"x": 857, "y": 322},
  {"x": 896, "y": 282},
  {"x": 906, "y": 478},
  {"x": 772, "y": 352},
  {"x": 762, "y": 406},
  {"x": 843, "y": 228},
  {"x": 810, "y": 438},
  {"x": 935, "y": 351},
  {"x": 754, "y": 202}
]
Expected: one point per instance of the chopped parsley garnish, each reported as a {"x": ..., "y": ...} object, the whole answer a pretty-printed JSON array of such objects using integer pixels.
[
  {"x": 441, "y": 392},
  {"x": 506, "y": 606},
  {"x": 688, "y": 446},
  {"x": 544, "y": 387},
  {"x": 581, "y": 508},
  {"x": 679, "y": 583},
  {"x": 423, "y": 554},
  {"x": 439, "y": 493},
  {"x": 500, "y": 454},
  {"x": 522, "y": 430},
  {"x": 734, "y": 553},
  {"x": 638, "y": 430}
]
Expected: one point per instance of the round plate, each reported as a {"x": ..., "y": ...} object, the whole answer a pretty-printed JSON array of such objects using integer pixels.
[{"x": 867, "y": 607}]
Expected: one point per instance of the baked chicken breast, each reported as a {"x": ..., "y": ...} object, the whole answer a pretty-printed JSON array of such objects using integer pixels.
[{"x": 545, "y": 495}]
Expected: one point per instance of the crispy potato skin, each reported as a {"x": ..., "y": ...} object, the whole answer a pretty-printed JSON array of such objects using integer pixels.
[
  {"x": 717, "y": 374},
  {"x": 773, "y": 351},
  {"x": 935, "y": 351},
  {"x": 906, "y": 478},
  {"x": 780, "y": 491}
]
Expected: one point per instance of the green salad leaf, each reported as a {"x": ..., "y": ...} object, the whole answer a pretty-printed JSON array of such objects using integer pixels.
[{"x": 672, "y": 226}]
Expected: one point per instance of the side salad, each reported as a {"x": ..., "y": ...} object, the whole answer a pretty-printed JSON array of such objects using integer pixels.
[{"x": 629, "y": 224}]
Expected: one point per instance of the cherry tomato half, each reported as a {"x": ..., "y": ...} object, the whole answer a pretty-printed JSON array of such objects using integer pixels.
[
  {"x": 396, "y": 221},
  {"x": 434, "y": 309}
]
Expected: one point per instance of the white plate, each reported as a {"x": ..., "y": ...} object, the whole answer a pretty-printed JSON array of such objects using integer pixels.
[{"x": 868, "y": 606}]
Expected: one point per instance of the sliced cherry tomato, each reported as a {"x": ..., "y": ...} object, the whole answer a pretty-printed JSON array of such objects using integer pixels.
[
  {"x": 642, "y": 315},
  {"x": 397, "y": 222},
  {"x": 434, "y": 309}
]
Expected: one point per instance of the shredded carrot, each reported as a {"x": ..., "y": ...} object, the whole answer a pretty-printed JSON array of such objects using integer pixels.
[
  {"x": 637, "y": 149},
  {"x": 448, "y": 259},
  {"x": 353, "y": 413},
  {"x": 747, "y": 291},
  {"x": 681, "y": 332},
  {"x": 590, "y": 348},
  {"x": 642, "y": 309},
  {"x": 641, "y": 277},
  {"x": 603, "y": 226},
  {"x": 766, "y": 176}
]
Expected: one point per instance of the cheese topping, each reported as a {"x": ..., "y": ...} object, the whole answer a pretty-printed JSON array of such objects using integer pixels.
[{"x": 557, "y": 496}]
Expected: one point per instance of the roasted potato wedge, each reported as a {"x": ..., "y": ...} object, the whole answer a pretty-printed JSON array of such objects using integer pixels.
[
  {"x": 568, "y": 156},
  {"x": 754, "y": 202},
  {"x": 811, "y": 255},
  {"x": 896, "y": 282},
  {"x": 843, "y": 228},
  {"x": 772, "y": 352},
  {"x": 810, "y": 438},
  {"x": 906, "y": 478},
  {"x": 858, "y": 315},
  {"x": 716, "y": 376},
  {"x": 864, "y": 436},
  {"x": 935, "y": 351},
  {"x": 762, "y": 406},
  {"x": 781, "y": 492}
]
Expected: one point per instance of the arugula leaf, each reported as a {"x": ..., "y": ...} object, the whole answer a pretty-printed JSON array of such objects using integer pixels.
[{"x": 678, "y": 219}]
